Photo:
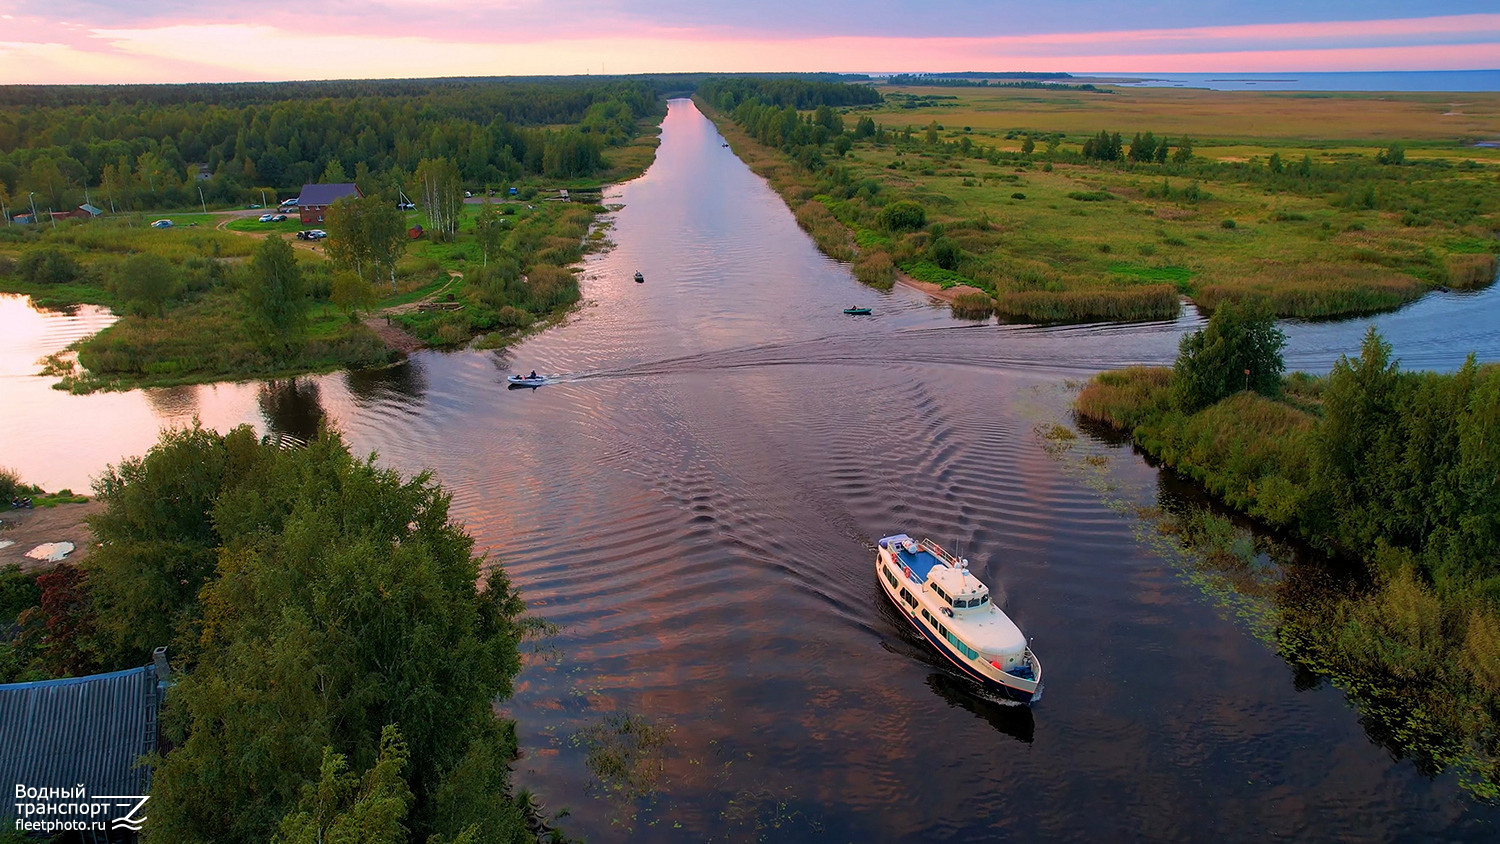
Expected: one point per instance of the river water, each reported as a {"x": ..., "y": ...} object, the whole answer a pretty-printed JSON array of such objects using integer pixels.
[{"x": 693, "y": 505}]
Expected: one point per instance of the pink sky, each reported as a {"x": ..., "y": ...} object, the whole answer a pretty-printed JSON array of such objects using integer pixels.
[{"x": 506, "y": 37}]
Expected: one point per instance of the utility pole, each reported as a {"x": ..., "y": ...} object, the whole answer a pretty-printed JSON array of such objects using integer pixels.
[
  {"x": 200, "y": 199},
  {"x": 262, "y": 197},
  {"x": 31, "y": 197}
]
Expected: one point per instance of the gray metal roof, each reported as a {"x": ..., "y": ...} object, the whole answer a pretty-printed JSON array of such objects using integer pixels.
[
  {"x": 326, "y": 194},
  {"x": 81, "y": 731}
]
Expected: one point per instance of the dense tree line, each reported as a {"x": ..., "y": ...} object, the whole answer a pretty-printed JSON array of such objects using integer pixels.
[
  {"x": 337, "y": 661},
  {"x": 142, "y": 146},
  {"x": 726, "y": 94}
]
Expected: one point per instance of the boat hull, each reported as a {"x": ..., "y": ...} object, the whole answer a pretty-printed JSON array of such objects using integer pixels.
[
  {"x": 997, "y": 682},
  {"x": 523, "y": 381},
  {"x": 989, "y": 684}
]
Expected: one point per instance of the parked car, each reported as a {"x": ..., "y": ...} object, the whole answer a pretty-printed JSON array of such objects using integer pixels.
[
  {"x": 162, "y": 224},
  {"x": 276, "y": 218},
  {"x": 266, "y": 218},
  {"x": 311, "y": 234},
  {"x": 289, "y": 204}
]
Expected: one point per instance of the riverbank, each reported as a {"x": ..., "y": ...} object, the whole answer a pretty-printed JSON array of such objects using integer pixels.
[
  {"x": 1394, "y": 470},
  {"x": 1054, "y": 227}
]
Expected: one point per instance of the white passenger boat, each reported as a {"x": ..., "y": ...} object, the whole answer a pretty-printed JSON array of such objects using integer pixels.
[{"x": 952, "y": 609}]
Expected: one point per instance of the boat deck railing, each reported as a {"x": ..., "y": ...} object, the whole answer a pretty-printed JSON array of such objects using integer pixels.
[{"x": 937, "y": 551}]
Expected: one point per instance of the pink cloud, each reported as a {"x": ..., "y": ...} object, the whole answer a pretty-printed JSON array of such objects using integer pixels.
[{"x": 42, "y": 51}]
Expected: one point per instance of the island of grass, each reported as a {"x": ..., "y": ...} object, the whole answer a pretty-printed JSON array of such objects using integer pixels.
[
  {"x": 1063, "y": 204},
  {"x": 1392, "y": 471}
]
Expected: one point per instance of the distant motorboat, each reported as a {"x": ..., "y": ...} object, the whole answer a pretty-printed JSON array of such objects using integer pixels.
[
  {"x": 639, "y": 279},
  {"x": 857, "y": 311},
  {"x": 526, "y": 380}
]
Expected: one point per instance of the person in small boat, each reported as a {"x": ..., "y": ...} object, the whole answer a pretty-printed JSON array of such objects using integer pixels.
[{"x": 533, "y": 374}]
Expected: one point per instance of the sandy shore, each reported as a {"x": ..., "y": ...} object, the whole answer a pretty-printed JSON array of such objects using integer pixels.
[
  {"x": 934, "y": 290},
  {"x": 30, "y": 528}
]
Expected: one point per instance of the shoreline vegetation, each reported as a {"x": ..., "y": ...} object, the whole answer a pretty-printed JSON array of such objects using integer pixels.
[
  {"x": 1321, "y": 206},
  {"x": 194, "y": 308},
  {"x": 337, "y": 649},
  {"x": 1393, "y": 470}
]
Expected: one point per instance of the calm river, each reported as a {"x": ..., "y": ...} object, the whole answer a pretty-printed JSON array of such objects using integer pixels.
[{"x": 694, "y": 507}]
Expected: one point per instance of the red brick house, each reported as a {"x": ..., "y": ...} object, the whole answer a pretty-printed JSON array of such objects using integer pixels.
[{"x": 315, "y": 199}]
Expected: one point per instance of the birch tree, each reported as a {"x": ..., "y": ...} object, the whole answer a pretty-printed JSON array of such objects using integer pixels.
[{"x": 442, "y": 195}]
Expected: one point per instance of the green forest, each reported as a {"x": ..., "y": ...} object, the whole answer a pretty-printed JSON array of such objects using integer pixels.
[
  {"x": 336, "y": 647},
  {"x": 149, "y": 147}
]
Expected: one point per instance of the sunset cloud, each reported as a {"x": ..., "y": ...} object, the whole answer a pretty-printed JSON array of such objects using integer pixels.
[{"x": 89, "y": 42}]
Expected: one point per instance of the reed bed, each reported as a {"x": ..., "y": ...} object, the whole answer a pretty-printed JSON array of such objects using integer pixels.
[
  {"x": 973, "y": 304},
  {"x": 1466, "y": 272},
  {"x": 1158, "y": 301}
]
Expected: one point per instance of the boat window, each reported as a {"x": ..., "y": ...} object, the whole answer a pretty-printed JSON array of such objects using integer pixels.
[{"x": 984, "y": 599}]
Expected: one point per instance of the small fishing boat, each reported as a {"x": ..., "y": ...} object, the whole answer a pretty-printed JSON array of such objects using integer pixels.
[
  {"x": 639, "y": 279},
  {"x": 952, "y": 609},
  {"x": 857, "y": 311},
  {"x": 532, "y": 380}
]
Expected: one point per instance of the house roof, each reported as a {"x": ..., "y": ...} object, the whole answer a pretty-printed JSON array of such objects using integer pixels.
[
  {"x": 327, "y": 194},
  {"x": 93, "y": 212},
  {"x": 81, "y": 731}
]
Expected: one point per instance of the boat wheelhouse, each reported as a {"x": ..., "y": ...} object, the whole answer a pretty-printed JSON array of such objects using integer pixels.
[{"x": 953, "y": 611}]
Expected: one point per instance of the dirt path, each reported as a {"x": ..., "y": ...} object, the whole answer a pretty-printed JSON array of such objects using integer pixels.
[
  {"x": 30, "y": 528},
  {"x": 392, "y": 334}
]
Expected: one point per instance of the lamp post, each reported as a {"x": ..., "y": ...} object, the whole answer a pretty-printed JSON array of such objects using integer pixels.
[
  {"x": 262, "y": 197},
  {"x": 31, "y": 197}
]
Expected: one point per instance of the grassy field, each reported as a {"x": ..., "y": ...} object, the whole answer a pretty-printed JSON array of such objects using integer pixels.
[
  {"x": 1296, "y": 120},
  {"x": 1282, "y": 199}
]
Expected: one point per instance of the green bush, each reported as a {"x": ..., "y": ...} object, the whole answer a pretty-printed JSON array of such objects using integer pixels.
[
  {"x": 902, "y": 215},
  {"x": 1240, "y": 349},
  {"x": 48, "y": 265}
]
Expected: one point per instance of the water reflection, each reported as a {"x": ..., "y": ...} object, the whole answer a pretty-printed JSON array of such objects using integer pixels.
[
  {"x": 1334, "y": 623},
  {"x": 174, "y": 405},
  {"x": 1018, "y": 722},
  {"x": 291, "y": 407},
  {"x": 401, "y": 383}
]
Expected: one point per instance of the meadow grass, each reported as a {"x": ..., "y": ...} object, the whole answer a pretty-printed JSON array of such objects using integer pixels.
[
  {"x": 1056, "y": 237},
  {"x": 1290, "y": 120}
]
